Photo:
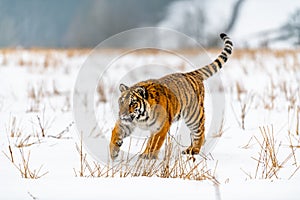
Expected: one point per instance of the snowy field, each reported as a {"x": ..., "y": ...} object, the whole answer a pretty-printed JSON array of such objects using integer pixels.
[{"x": 255, "y": 155}]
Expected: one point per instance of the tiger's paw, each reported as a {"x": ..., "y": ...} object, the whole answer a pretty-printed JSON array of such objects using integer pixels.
[
  {"x": 148, "y": 156},
  {"x": 191, "y": 150}
]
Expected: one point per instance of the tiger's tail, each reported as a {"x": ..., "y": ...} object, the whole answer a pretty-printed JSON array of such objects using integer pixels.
[{"x": 212, "y": 68}]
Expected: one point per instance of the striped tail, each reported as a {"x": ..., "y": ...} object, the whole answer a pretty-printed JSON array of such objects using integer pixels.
[{"x": 218, "y": 63}]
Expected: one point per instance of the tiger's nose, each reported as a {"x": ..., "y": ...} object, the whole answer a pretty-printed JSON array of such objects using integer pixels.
[{"x": 114, "y": 154}]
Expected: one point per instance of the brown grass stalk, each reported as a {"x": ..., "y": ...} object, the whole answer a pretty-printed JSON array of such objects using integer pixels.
[
  {"x": 172, "y": 165},
  {"x": 245, "y": 105},
  {"x": 268, "y": 164},
  {"x": 23, "y": 167},
  {"x": 14, "y": 129}
]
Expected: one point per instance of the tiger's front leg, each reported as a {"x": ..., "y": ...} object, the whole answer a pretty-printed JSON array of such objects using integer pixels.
[
  {"x": 155, "y": 142},
  {"x": 119, "y": 132}
]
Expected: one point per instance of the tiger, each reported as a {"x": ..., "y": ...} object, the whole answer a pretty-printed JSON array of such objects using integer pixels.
[{"x": 156, "y": 103}]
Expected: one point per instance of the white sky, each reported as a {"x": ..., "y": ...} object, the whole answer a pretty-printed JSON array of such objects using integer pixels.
[{"x": 259, "y": 15}]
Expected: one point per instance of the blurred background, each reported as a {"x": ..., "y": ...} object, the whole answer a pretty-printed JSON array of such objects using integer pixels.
[{"x": 84, "y": 24}]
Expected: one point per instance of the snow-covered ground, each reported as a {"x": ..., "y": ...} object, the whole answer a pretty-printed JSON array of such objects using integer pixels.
[{"x": 37, "y": 122}]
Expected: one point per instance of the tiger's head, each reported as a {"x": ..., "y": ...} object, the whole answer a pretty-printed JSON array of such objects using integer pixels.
[{"x": 133, "y": 104}]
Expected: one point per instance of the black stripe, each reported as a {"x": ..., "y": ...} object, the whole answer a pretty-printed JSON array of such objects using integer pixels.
[
  {"x": 207, "y": 70},
  {"x": 193, "y": 73},
  {"x": 193, "y": 121},
  {"x": 190, "y": 109},
  {"x": 125, "y": 129},
  {"x": 192, "y": 83},
  {"x": 214, "y": 67},
  {"x": 224, "y": 58},
  {"x": 201, "y": 117},
  {"x": 167, "y": 110},
  {"x": 194, "y": 105},
  {"x": 143, "y": 106},
  {"x": 219, "y": 63},
  {"x": 184, "y": 87},
  {"x": 180, "y": 100},
  {"x": 223, "y": 53},
  {"x": 196, "y": 124},
  {"x": 140, "y": 108},
  {"x": 229, "y": 42},
  {"x": 153, "y": 122},
  {"x": 203, "y": 72},
  {"x": 223, "y": 35},
  {"x": 193, "y": 113},
  {"x": 198, "y": 134},
  {"x": 154, "y": 119},
  {"x": 227, "y": 50},
  {"x": 228, "y": 47},
  {"x": 189, "y": 122}
]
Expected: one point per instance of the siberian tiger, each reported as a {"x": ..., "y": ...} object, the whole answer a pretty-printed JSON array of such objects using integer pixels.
[{"x": 154, "y": 104}]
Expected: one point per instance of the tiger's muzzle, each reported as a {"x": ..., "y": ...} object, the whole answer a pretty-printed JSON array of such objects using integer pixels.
[{"x": 127, "y": 118}]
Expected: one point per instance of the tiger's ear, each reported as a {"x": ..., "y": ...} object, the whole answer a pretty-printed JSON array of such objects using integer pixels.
[
  {"x": 123, "y": 87},
  {"x": 141, "y": 91}
]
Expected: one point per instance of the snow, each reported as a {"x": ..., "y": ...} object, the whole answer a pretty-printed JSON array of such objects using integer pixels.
[
  {"x": 145, "y": 188},
  {"x": 233, "y": 154}
]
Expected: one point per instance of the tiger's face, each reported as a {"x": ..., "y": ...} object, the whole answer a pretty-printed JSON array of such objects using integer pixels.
[{"x": 133, "y": 104}]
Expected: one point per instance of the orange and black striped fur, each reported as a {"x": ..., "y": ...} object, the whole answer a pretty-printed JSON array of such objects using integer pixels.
[{"x": 155, "y": 104}]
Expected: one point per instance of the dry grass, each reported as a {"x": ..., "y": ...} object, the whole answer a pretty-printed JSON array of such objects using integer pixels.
[
  {"x": 101, "y": 93},
  {"x": 62, "y": 134},
  {"x": 35, "y": 95},
  {"x": 42, "y": 124},
  {"x": 38, "y": 94},
  {"x": 298, "y": 121},
  {"x": 249, "y": 144},
  {"x": 51, "y": 58},
  {"x": 173, "y": 165},
  {"x": 269, "y": 97},
  {"x": 67, "y": 104},
  {"x": 14, "y": 128},
  {"x": 252, "y": 53},
  {"x": 221, "y": 128},
  {"x": 245, "y": 105},
  {"x": 289, "y": 94},
  {"x": 15, "y": 131},
  {"x": 267, "y": 159},
  {"x": 23, "y": 166},
  {"x": 293, "y": 135},
  {"x": 268, "y": 163},
  {"x": 26, "y": 141}
]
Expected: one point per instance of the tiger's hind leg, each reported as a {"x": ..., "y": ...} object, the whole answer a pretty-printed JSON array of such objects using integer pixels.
[{"x": 195, "y": 123}]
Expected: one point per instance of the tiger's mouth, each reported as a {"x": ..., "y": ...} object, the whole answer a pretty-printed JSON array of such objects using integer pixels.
[
  {"x": 127, "y": 118},
  {"x": 138, "y": 117}
]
